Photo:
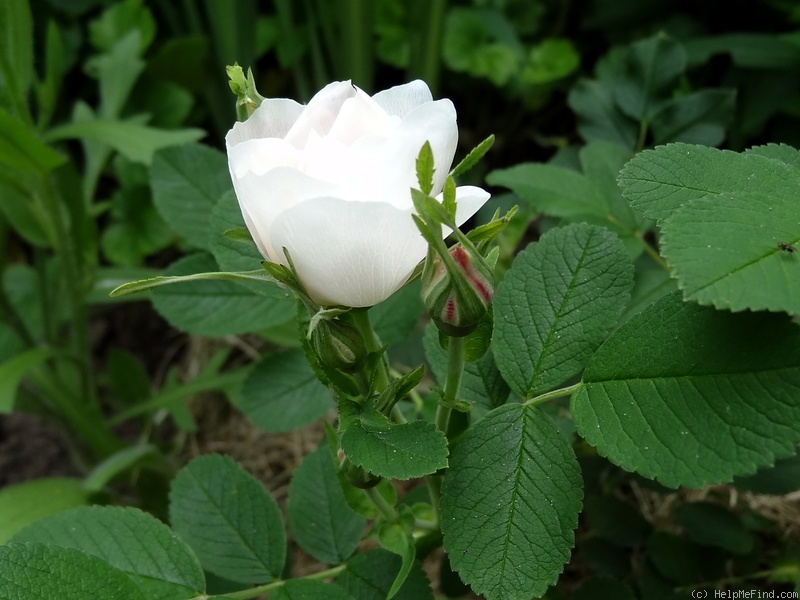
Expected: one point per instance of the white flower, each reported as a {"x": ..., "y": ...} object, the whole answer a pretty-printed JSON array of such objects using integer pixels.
[{"x": 330, "y": 182}]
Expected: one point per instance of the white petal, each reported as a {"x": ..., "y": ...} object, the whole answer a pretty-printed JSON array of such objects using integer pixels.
[
  {"x": 434, "y": 122},
  {"x": 321, "y": 112},
  {"x": 402, "y": 99},
  {"x": 263, "y": 197},
  {"x": 273, "y": 119},
  {"x": 469, "y": 200},
  {"x": 360, "y": 116},
  {"x": 349, "y": 253},
  {"x": 261, "y": 155}
]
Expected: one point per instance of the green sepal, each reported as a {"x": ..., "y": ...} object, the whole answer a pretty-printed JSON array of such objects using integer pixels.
[
  {"x": 342, "y": 383},
  {"x": 425, "y": 168},
  {"x": 449, "y": 198},
  {"x": 144, "y": 285},
  {"x": 247, "y": 97},
  {"x": 398, "y": 389},
  {"x": 239, "y": 234},
  {"x": 474, "y": 156}
]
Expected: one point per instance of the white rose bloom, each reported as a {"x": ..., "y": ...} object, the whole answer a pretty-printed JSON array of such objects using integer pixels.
[{"x": 330, "y": 182}]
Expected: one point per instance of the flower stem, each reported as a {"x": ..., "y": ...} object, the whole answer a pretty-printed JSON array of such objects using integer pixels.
[
  {"x": 263, "y": 589},
  {"x": 373, "y": 344},
  {"x": 455, "y": 368},
  {"x": 386, "y": 510},
  {"x": 541, "y": 398}
]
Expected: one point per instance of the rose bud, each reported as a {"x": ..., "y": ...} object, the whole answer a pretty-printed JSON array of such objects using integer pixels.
[
  {"x": 339, "y": 345},
  {"x": 457, "y": 293}
]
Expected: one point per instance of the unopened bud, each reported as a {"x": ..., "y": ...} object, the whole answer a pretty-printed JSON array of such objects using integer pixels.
[
  {"x": 244, "y": 86},
  {"x": 339, "y": 345},
  {"x": 458, "y": 294}
]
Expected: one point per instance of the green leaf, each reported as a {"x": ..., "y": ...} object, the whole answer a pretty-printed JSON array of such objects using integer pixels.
[
  {"x": 369, "y": 576},
  {"x": 727, "y": 250},
  {"x": 187, "y": 182},
  {"x": 231, "y": 254},
  {"x": 117, "y": 463},
  {"x": 699, "y": 118},
  {"x": 309, "y": 589},
  {"x": 397, "y": 538},
  {"x": 117, "y": 71},
  {"x": 749, "y": 50},
  {"x": 217, "y": 308},
  {"x": 599, "y": 118},
  {"x": 21, "y": 149},
  {"x": 320, "y": 520},
  {"x": 557, "y": 304},
  {"x": 120, "y": 19},
  {"x": 615, "y": 520},
  {"x": 710, "y": 524},
  {"x": 651, "y": 69},
  {"x": 690, "y": 396},
  {"x": 550, "y": 61},
  {"x": 658, "y": 182},
  {"x": 133, "y": 140},
  {"x": 481, "y": 382},
  {"x": 14, "y": 369},
  {"x": 395, "y": 451},
  {"x": 601, "y": 163},
  {"x": 474, "y": 157},
  {"x": 144, "y": 285},
  {"x": 603, "y": 588},
  {"x": 510, "y": 503},
  {"x": 555, "y": 191},
  {"x": 139, "y": 545},
  {"x": 781, "y": 478},
  {"x": 26, "y": 216},
  {"x": 780, "y": 152},
  {"x": 282, "y": 393},
  {"x": 396, "y": 317},
  {"x": 230, "y": 521},
  {"x": 674, "y": 557},
  {"x": 652, "y": 281},
  {"x": 36, "y": 572},
  {"x": 16, "y": 47},
  {"x": 27, "y": 502}
]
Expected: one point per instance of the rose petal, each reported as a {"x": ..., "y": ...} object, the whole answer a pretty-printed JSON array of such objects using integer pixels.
[
  {"x": 321, "y": 112},
  {"x": 259, "y": 156},
  {"x": 360, "y": 116},
  {"x": 273, "y": 119},
  {"x": 434, "y": 122},
  {"x": 469, "y": 200},
  {"x": 349, "y": 253},
  {"x": 402, "y": 99},
  {"x": 263, "y": 197}
]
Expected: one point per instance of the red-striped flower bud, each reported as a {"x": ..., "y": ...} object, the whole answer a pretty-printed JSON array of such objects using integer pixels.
[{"x": 457, "y": 291}]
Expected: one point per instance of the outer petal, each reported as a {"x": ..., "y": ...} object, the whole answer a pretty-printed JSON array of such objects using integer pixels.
[
  {"x": 349, "y": 253},
  {"x": 273, "y": 119},
  {"x": 469, "y": 200},
  {"x": 260, "y": 155},
  {"x": 402, "y": 99},
  {"x": 263, "y": 197},
  {"x": 434, "y": 122}
]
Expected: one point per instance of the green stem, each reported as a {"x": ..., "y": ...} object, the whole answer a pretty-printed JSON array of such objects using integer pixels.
[
  {"x": 357, "y": 39},
  {"x": 455, "y": 369},
  {"x": 386, "y": 510},
  {"x": 426, "y": 44},
  {"x": 643, "y": 127},
  {"x": 655, "y": 256},
  {"x": 264, "y": 589},
  {"x": 567, "y": 391},
  {"x": 373, "y": 344}
]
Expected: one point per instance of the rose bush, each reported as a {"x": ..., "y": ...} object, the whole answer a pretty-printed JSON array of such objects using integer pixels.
[{"x": 330, "y": 181}]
